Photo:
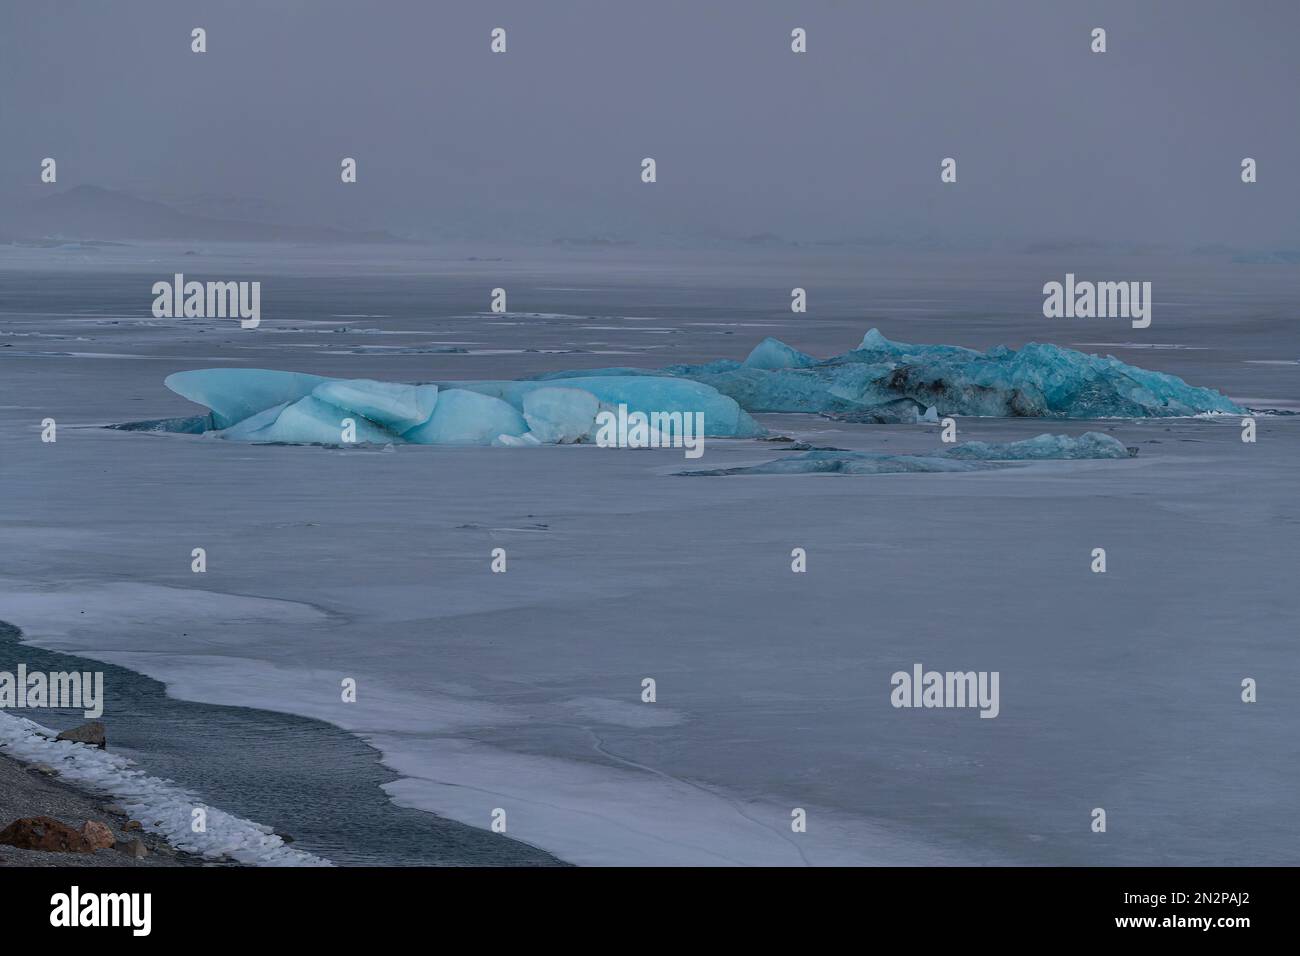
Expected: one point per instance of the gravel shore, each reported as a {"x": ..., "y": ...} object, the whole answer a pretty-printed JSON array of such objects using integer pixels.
[{"x": 28, "y": 792}]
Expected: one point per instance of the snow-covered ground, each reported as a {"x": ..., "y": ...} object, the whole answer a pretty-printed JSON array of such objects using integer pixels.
[{"x": 522, "y": 691}]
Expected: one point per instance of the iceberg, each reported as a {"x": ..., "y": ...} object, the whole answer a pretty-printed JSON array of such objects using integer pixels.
[
  {"x": 880, "y": 381},
  {"x": 263, "y": 405},
  {"x": 885, "y": 381}
]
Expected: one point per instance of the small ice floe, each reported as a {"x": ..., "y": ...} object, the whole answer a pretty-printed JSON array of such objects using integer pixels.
[{"x": 971, "y": 456}]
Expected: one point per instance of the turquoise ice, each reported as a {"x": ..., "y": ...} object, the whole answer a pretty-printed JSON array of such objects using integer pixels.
[
  {"x": 467, "y": 418},
  {"x": 392, "y": 406},
  {"x": 879, "y": 381},
  {"x": 262, "y": 405},
  {"x": 561, "y": 414},
  {"x": 233, "y": 394},
  {"x": 884, "y": 381}
]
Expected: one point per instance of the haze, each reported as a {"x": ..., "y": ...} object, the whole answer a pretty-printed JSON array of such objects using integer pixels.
[{"x": 1142, "y": 143}]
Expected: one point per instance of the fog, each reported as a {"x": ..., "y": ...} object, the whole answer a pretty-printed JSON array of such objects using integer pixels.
[{"x": 1141, "y": 143}]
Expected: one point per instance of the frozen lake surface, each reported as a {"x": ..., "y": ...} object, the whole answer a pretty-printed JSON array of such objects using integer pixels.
[{"x": 522, "y": 691}]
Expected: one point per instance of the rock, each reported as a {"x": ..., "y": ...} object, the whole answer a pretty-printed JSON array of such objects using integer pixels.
[
  {"x": 132, "y": 825},
  {"x": 91, "y": 733},
  {"x": 45, "y": 769},
  {"x": 114, "y": 810},
  {"x": 97, "y": 835},
  {"x": 132, "y": 848},
  {"x": 44, "y": 833}
]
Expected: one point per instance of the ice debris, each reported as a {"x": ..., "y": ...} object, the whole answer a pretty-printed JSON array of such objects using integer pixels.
[
  {"x": 970, "y": 456},
  {"x": 1087, "y": 445}
]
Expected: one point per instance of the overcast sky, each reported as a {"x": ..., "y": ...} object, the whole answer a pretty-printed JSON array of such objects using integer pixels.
[{"x": 1143, "y": 142}]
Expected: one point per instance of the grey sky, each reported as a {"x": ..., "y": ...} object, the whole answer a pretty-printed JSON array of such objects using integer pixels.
[{"x": 1141, "y": 143}]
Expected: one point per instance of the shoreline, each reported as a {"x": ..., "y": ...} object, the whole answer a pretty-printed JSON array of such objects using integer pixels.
[
  {"x": 27, "y": 790},
  {"x": 320, "y": 783}
]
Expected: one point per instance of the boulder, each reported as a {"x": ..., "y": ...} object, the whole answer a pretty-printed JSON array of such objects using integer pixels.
[
  {"x": 133, "y": 848},
  {"x": 97, "y": 835},
  {"x": 91, "y": 733},
  {"x": 44, "y": 833}
]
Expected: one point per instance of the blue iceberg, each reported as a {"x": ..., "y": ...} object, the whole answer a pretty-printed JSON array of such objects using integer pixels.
[
  {"x": 879, "y": 381},
  {"x": 262, "y": 405},
  {"x": 884, "y": 381}
]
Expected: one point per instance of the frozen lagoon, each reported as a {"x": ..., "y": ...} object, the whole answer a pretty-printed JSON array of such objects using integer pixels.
[{"x": 522, "y": 690}]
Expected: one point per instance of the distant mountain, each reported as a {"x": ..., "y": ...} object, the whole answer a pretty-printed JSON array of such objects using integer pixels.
[{"x": 92, "y": 212}]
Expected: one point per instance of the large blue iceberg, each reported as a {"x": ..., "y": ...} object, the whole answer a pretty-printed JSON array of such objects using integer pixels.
[
  {"x": 262, "y": 405},
  {"x": 884, "y": 381},
  {"x": 879, "y": 381}
]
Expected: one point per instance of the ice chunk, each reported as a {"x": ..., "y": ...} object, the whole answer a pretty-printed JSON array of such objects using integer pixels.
[
  {"x": 560, "y": 414},
  {"x": 848, "y": 463},
  {"x": 394, "y": 406},
  {"x": 463, "y": 417},
  {"x": 723, "y": 417},
  {"x": 233, "y": 394},
  {"x": 1087, "y": 445},
  {"x": 311, "y": 421},
  {"x": 773, "y": 353},
  {"x": 971, "y": 456},
  {"x": 250, "y": 427}
]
